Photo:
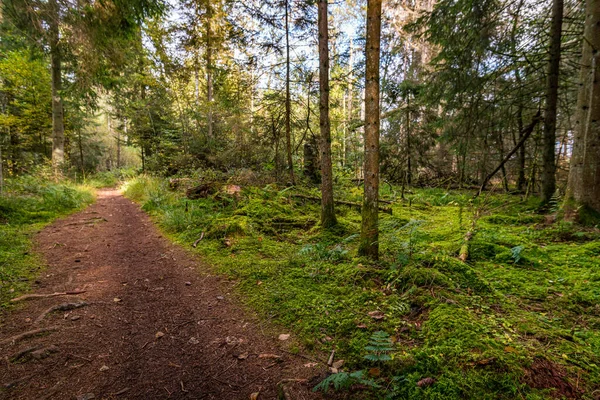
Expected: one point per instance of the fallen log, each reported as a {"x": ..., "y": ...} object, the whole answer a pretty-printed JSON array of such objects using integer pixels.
[
  {"x": 386, "y": 210},
  {"x": 41, "y": 296}
]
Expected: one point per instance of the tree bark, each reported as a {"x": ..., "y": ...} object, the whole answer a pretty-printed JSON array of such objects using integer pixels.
[
  {"x": 58, "y": 128},
  {"x": 549, "y": 137},
  {"x": 327, "y": 207},
  {"x": 584, "y": 176},
  {"x": 288, "y": 104},
  {"x": 369, "y": 235},
  {"x": 209, "y": 80}
]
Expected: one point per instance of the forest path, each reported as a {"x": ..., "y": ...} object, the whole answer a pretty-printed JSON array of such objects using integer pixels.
[{"x": 156, "y": 323}]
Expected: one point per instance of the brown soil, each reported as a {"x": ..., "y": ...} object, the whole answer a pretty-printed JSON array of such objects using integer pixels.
[
  {"x": 543, "y": 374},
  {"x": 157, "y": 324}
]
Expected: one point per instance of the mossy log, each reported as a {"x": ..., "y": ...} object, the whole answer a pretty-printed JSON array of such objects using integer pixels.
[
  {"x": 202, "y": 191},
  {"x": 387, "y": 210}
]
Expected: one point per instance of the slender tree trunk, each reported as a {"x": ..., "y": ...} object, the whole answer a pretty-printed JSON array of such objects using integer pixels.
[
  {"x": 119, "y": 148},
  {"x": 288, "y": 104},
  {"x": 81, "y": 160},
  {"x": 521, "y": 155},
  {"x": 1, "y": 169},
  {"x": 327, "y": 207},
  {"x": 549, "y": 137},
  {"x": 584, "y": 176},
  {"x": 350, "y": 137},
  {"x": 58, "y": 128},
  {"x": 369, "y": 235},
  {"x": 408, "y": 144},
  {"x": 209, "y": 72}
]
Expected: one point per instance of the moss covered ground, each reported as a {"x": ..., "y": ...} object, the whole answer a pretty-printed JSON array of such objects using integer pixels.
[
  {"x": 27, "y": 204},
  {"x": 520, "y": 318}
]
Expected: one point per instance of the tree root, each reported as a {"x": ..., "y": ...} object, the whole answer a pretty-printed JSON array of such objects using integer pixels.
[
  {"x": 41, "y": 296},
  {"x": 28, "y": 334},
  {"x": 60, "y": 307}
]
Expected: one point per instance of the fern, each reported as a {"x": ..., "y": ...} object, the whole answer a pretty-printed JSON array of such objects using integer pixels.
[
  {"x": 380, "y": 344},
  {"x": 401, "y": 308},
  {"x": 343, "y": 380},
  {"x": 555, "y": 202},
  {"x": 515, "y": 253}
]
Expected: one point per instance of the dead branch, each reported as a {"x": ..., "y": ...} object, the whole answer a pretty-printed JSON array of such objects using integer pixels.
[
  {"x": 526, "y": 133},
  {"x": 60, "y": 307},
  {"x": 41, "y": 296},
  {"x": 28, "y": 334},
  {"x": 346, "y": 203},
  {"x": 23, "y": 353},
  {"x": 198, "y": 240}
]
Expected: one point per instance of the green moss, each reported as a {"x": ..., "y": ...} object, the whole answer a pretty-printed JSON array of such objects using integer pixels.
[
  {"x": 474, "y": 327},
  {"x": 29, "y": 203}
]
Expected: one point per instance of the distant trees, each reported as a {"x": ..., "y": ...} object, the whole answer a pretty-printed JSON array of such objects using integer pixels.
[
  {"x": 83, "y": 33},
  {"x": 451, "y": 92}
]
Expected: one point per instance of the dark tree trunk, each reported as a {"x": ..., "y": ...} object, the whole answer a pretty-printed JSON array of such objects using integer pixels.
[
  {"x": 58, "y": 128},
  {"x": 288, "y": 104},
  {"x": 549, "y": 137},
  {"x": 327, "y": 207},
  {"x": 369, "y": 235},
  {"x": 584, "y": 177},
  {"x": 209, "y": 72},
  {"x": 408, "y": 144}
]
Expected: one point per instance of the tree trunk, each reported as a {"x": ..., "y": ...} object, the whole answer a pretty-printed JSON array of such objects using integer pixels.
[
  {"x": 584, "y": 176},
  {"x": 58, "y": 128},
  {"x": 350, "y": 138},
  {"x": 209, "y": 77},
  {"x": 369, "y": 235},
  {"x": 1, "y": 169},
  {"x": 288, "y": 104},
  {"x": 549, "y": 137},
  {"x": 408, "y": 144},
  {"x": 327, "y": 207},
  {"x": 81, "y": 160}
]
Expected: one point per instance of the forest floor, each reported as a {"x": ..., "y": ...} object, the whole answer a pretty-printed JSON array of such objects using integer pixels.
[{"x": 142, "y": 318}]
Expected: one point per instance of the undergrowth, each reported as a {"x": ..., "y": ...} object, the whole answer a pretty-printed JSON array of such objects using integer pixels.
[
  {"x": 476, "y": 329},
  {"x": 27, "y": 204}
]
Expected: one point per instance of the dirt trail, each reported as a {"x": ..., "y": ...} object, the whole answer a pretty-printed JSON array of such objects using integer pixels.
[{"x": 156, "y": 324}]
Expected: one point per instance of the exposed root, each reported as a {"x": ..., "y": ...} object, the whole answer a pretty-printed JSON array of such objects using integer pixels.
[
  {"x": 23, "y": 353},
  {"x": 28, "y": 334},
  {"x": 60, "y": 307},
  {"x": 42, "y": 296}
]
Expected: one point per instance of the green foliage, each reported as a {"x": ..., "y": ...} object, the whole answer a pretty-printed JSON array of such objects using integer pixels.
[
  {"x": 516, "y": 253},
  {"x": 343, "y": 380},
  {"x": 29, "y": 203},
  {"x": 379, "y": 347},
  {"x": 472, "y": 327},
  {"x": 320, "y": 251}
]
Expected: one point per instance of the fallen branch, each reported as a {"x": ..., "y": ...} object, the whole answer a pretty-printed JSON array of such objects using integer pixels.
[
  {"x": 330, "y": 361},
  {"x": 526, "y": 133},
  {"x": 198, "y": 240},
  {"x": 41, "y": 296},
  {"x": 21, "y": 354},
  {"x": 60, "y": 307},
  {"x": 28, "y": 334},
  {"x": 386, "y": 210}
]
